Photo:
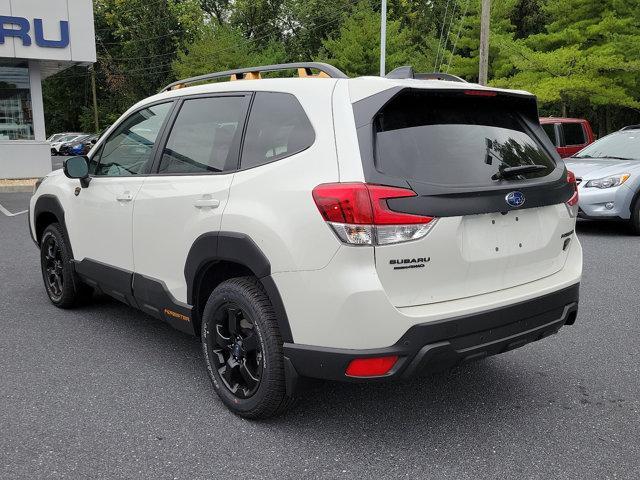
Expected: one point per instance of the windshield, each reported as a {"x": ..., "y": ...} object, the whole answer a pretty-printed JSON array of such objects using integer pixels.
[
  {"x": 456, "y": 140},
  {"x": 624, "y": 144}
]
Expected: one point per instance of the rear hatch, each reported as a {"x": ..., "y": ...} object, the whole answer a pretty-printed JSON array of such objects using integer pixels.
[{"x": 480, "y": 164}]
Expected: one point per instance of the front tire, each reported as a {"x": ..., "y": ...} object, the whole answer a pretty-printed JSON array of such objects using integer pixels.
[
  {"x": 64, "y": 288},
  {"x": 243, "y": 352}
]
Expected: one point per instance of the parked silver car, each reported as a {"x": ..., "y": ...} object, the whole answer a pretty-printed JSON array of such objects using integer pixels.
[{"x": 608, "y": 174}]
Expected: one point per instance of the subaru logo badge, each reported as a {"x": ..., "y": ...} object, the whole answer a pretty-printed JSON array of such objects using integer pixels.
[{"x": 515, "y": 199}]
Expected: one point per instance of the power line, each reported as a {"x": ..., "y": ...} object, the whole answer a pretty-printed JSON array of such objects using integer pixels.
[
  {"x": 455, "y": 42},
  {"x": 446, "y": 38},
  {"x": 444, "y": 22}
]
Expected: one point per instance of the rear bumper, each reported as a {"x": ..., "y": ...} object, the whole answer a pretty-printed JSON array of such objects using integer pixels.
[{"x": 446, "y": 343}]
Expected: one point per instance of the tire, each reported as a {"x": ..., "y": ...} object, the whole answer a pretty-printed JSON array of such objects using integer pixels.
[
  {"x": 635, "y": 218},
  {"x": 64, "y": 288},
  {"x": 241, "y": 342}
]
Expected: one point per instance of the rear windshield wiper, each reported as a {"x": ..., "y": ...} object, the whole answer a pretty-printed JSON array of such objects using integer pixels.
[{"x": 508, "y": 172}]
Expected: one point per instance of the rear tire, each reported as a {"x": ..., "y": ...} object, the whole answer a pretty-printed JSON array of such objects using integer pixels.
[
  {"x": 243, "y": 351},
  {"x": 64, "y": 288},
  {"x": 635, "y": 218}
]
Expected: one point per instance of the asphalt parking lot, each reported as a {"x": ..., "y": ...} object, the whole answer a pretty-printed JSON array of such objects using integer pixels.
[{"x": 107, "y": 392}]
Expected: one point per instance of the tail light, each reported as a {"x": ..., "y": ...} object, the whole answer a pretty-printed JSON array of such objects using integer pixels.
[
  {"x": 359, "y": 214},
  {"x": 572, "y": 203}
]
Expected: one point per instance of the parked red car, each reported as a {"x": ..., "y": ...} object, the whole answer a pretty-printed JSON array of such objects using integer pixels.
[{"x": 569, "y": 135}]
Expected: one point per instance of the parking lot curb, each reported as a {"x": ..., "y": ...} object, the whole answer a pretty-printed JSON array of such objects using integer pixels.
[{"x": 17, "y": 186}]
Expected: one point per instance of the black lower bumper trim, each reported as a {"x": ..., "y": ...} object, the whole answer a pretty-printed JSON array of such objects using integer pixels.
[{"x": 446, "y": 343}]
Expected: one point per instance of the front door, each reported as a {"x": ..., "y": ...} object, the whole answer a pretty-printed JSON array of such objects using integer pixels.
[{"x": 101, "y": 227}]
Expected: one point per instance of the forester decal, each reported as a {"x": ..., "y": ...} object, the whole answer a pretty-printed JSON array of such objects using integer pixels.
[{"x": 179, "y": 316}]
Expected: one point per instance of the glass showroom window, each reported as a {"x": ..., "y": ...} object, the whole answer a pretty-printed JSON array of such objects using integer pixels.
[{"x": 16, "y": 118}]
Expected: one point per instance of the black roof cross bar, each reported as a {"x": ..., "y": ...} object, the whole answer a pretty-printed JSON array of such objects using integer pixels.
[
  {"x": 402, "y": 73},
  {"x": 328, "y": 70}
]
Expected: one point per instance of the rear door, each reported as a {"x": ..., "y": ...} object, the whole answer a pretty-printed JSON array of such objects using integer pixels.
[
  {"x": 494, "y": 230},
  {"x": 187, "y": 192}
]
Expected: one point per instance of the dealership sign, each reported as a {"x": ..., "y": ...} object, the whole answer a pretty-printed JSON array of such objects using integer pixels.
[{"x": 20, "y": 28}]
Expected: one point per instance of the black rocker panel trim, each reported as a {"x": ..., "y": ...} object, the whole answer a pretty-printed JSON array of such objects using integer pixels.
[
  {"x": 239, "y": 248},
  {"x": 154, "y": 298},
  {"x": 446, "y": 343},
  {"x": 138, "y": 291},
  {"x": 113, "y": 281},
  {"x": 49, "y": 204}
]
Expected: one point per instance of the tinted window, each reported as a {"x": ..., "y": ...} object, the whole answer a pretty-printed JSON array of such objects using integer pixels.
[
  {"x": 278, "y": 127},
  {"x": 573, "y": 134},
  {"x": 203, "y": 136},
  {"x": 550, "y": 130},
  {"x": 454, "y": 140},
  {"x": 129, "y": 147},
  {"x": 625, "y": 144}
]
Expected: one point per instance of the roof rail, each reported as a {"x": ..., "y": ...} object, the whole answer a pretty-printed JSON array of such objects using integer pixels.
[
  {"x": 253, "y": 73},
  {"x": 631, "y": 127},
  {"x": 407, "y": 72}
]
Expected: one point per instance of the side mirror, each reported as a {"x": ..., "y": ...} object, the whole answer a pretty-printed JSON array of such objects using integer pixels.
[
  {"x": 77, "y": 167},
  {"x": 93, "y": 141}
]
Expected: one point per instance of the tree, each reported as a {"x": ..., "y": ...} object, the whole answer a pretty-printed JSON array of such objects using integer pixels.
[
  {"x": 356, "y": 49},
  {"x": 585, "y": 62}
]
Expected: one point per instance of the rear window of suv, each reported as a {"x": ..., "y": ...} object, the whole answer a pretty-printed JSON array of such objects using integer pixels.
[{"x": 454, "y": 140}]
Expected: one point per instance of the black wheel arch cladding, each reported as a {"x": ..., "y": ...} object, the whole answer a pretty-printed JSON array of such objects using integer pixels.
[
  {"x": 49, "y": 205},
  {"x": 214, "y": 247}
]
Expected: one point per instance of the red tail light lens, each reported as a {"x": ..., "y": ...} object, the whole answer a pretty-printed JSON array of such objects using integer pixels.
[
  {"x": 360, "y": 215},
  {"x": 572, "y": 203},
  {"x": 571, "y": 178},
  {"x": 371, "y": 367}
]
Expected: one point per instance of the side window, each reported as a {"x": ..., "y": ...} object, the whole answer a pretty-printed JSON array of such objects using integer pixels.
[
  {"x": 550, "y": 130},
  {"x": 573, "y": 134},
  {"x": 204, "y": 136},
  {"x": 278, "y": 127},
  {"x": 129, "y": 147}
]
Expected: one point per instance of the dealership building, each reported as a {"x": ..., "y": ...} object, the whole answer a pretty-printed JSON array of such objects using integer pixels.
[{"x": 38, "y": 38}]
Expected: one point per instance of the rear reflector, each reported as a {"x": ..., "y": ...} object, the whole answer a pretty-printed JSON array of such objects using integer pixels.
[
  {"x": 371, "y": 367},
  {"x": 359, "y": 214}
]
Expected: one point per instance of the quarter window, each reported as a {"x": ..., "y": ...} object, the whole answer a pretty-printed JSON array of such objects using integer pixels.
[
  {"x": 573, "y": 134},
  {"x": 278, "y": 127},
  {"x": 204, "y": 136},
  {"x": 129, "y": 147}
]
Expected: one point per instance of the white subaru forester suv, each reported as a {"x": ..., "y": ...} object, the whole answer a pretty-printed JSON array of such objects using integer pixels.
[{"x": 357, "y": 229}]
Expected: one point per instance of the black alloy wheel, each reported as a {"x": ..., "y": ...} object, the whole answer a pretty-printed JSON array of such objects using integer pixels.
[
  {"x": 237, "y": 354},
  {"x": 53, "y": 268}
]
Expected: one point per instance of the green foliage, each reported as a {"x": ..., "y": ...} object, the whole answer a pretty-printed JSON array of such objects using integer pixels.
[
  {"x": 223, "y": 48},
  {"x": 356, "y": 49},
  {"x": 580, "y": 57}
]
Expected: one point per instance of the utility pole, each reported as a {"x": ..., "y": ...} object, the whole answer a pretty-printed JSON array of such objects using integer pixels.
[
  {"x": 484, "y": 42},
  {"x": 95, "y": 99},
  {"x": 383, "y": 38}
]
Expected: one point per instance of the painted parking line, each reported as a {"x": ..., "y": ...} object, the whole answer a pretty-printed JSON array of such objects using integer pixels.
[{"x": 9, "y": 214}]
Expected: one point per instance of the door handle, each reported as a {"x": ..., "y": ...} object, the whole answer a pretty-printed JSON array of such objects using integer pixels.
[
  {"x": 124, "y": 197},
  {"x": 206, "y": 202}
]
